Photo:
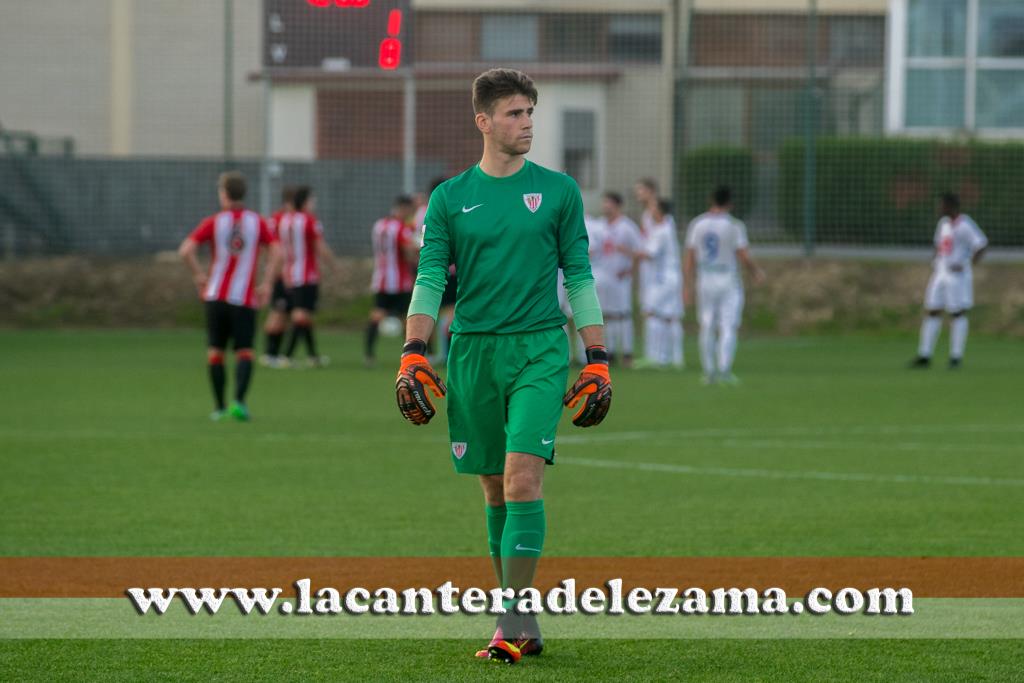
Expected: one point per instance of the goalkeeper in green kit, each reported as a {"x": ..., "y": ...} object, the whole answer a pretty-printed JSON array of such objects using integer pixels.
[{"x": 508, "y": 225}]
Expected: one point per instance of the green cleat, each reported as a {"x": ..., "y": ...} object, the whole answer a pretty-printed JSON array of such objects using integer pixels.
[{"x": 239, "y": 411}]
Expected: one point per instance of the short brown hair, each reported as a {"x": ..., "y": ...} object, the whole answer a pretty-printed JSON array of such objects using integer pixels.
[
  {"x": 233, "y": 184},
  {"x": 494, "y": 84},
  {"x": 648, "y": 182}
]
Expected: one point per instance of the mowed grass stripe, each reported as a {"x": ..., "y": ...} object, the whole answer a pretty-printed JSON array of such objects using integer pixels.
[
  {"x": 71, "y": 618},
  {"x": 795, "y": 661},
  {"x": 106, "y": 451}
]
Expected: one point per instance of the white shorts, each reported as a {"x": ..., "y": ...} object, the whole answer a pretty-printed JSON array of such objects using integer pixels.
[
  {"x": 616, "y": 295},
  {"x": 664, "y": 299},
  {"x": 950, "y": 292},
  {"x": 721, "y": 305}
]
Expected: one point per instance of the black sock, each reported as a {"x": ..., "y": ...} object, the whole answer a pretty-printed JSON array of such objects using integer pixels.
[
  {"x": 310, "y": 342},
  {"x": 371, "y": 338},
  {"x": 293, "y": 340},
  {"x": 243, "y": 373},
  {"x": 217, "y": 381},
  {"x": 274, "y": 343}
]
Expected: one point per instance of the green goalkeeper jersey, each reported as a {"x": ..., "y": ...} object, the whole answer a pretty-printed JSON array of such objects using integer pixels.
[{"x": 507, "y": 238}]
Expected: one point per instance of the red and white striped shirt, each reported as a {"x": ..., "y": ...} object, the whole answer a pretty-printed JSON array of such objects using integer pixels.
[
  {"x": 299, "y": 233},
  {"x": 392, "y": 272},
  {"x": 235, "y": 238},
  {"x": 275, "y": 221}
]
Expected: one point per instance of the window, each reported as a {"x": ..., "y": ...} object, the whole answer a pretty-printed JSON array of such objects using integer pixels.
[
  {"x": 951, "y": 80},
  {"x": 1001, "y": 99},
  {"x": 937, "y": 28},
  {"x": 1001, "y": 28},
  {"x": 935, "y": 98},
  {"x": 579, "y": 147},
  {"x": 510, "y": 36},
  {"x": 856, "y": 41},
  {"x": 635, "y": 38},
  {"x": 574, "y": 38}
]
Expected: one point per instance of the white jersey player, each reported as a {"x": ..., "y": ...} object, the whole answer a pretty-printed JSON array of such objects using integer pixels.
[
  {"x": 716, "y": 243},
  {"x": 662, "y": 294},
  {"x": 645, "y": 191},
  {"x": 612, "y": 260},
  {"x": 959, "y": 244},
  {"x": 594, "y": 232}
]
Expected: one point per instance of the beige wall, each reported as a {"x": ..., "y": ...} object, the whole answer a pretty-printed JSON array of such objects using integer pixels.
[
  {"x": 179, "y": 85},
  {"x": 130, "y": 76},
  {"x": 55, "y": 70},
  {"x": 641, "y": 148}
]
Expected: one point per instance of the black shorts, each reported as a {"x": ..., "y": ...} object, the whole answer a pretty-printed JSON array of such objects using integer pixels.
[
  {"x": 304, "y": 297},
  {"x": 394, "y": 304},
  {"x": 226, "y": 321},
  {"x": 279, "y": 299},
  {"x": 451, "y": 288}
]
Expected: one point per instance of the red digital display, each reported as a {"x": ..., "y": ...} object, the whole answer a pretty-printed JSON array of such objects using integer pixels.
[
  {"x": 390, "y": 53},
  {"x": 338, "y": 3}
]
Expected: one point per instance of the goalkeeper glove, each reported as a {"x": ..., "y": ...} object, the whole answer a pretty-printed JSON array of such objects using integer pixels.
[
  {"x": 593, "y": 389},
  {"x": 415, "y": 376}
]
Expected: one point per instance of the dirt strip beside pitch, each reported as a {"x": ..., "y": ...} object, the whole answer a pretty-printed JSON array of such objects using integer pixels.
[{"x": 104, "y": 577}]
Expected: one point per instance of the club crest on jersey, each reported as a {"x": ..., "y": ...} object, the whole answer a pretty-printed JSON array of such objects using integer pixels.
[
  {"x": 236, "y": 242},
  {"x": 533, "y": 201},
  {"x": 458, "y": 449}
]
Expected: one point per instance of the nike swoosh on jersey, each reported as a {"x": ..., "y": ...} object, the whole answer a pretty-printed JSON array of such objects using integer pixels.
[
  {"x": 547, "y": 442},
  {"x": 520, "y": 547},
  {"x": 472, "y": 208}
]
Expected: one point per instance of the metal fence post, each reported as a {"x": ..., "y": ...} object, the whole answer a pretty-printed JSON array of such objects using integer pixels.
[
  {"x": 811, "y": 126},
  {"x": 229, "y": 61}
]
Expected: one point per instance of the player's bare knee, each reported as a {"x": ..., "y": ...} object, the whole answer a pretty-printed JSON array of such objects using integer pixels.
[
  {"x": 494, "y": 489},
  {"x": 215, "y": 356},
  {"x": 957, "y": 314},
  {"x": 300, "y": 317},
  {"x": 934, "y": 314},
  {"x": 376, "y": 315},
  {"x": 524, "y": 476}
]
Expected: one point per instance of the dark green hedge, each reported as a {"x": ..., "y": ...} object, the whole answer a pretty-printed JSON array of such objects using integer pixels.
[
  {"x": 705, "y": 168},
  {"x": 884, "y": 191}
]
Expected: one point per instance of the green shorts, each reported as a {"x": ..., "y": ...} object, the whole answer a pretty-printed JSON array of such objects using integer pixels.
[{"x": 505, "y": 396}]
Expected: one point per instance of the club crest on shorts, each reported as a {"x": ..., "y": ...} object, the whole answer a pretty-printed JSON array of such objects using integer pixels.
[
  {"x": 533, "y": 201},
  {"x": 458, "y": 449}
]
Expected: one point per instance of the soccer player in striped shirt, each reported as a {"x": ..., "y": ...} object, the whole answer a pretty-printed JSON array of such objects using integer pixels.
[
  {"x": 302, "y": 237},
  {"x": 236, "y": 237},
  {"x": 508, "y": 225},
  {"x": 280, "y": 306},
  {"x": 395, "y": 252}
]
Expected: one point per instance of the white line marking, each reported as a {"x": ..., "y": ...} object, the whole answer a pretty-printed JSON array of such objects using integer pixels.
[{"x": 790, "y": 474}]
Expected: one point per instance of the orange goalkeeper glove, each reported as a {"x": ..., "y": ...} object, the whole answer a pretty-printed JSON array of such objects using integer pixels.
[
  {"x": 415, "y": 376},
  {"x": 593, "y": 389}
]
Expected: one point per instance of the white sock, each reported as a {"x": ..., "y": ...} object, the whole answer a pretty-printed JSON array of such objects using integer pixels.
[
  {"x": 650, "y": 324},
  {"x": 726, "y": 348},
  {"x": 930, "y": 328},
  {"x": 707, "y": 349},
  {"x": 664, "y": 342},
  {"x": 677, "y": 343},
  {"x": 958, "y": 336},
  {"x": 650, "y": 337}
]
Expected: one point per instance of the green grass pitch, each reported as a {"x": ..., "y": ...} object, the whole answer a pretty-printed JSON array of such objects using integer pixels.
[{"x": 828, "y": 448}]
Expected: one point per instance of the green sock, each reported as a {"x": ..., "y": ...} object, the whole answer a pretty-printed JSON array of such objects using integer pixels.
[
  {"x": 495, "y": 526},
  {"x": 522, "y": 541}
]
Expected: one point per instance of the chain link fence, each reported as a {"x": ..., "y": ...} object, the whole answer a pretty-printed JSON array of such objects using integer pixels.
[{"x": 835, "y": 125}]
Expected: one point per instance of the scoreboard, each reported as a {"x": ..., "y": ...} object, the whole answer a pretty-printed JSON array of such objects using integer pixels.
[{"x": 337, "y": 35}]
